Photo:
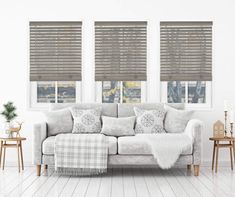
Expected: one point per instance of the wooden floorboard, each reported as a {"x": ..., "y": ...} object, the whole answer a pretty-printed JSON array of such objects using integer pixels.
[
  {"x": 174, "y": 183},
  {"x": 203, "y": 190},
  {"x": 128, "y": 183},
  {"x": 152, "y": 186},
  {"x": 106, "y": 184},
  {"x": 120, "y": 182},
  {"x": 117, "y": 183},
  {"x": 161, "y": 181}
]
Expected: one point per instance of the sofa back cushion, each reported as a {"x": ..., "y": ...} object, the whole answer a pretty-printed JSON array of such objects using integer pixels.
[
  {"x": 180, "y": 106},
  {"x": 59, "y": 121},
  {"x": 127, "y": 109},
  {"x": 107, "y": 109}
]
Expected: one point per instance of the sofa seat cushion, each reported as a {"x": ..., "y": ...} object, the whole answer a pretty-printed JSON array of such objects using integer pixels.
[
  {"x": 48, "y": 145},
  {"x": 138, "y": 145}
]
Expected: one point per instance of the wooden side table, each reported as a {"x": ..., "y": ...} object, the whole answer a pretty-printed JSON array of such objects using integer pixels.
[
  {"x": 6, "y": 143},
  {"x": 228, "y": 142}
]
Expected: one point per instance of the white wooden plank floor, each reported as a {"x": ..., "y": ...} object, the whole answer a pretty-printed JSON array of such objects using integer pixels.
[{"x": 119, "y": 182}]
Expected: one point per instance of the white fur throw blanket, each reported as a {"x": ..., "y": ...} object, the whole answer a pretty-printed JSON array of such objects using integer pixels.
[{"x": 166, "y": 148}]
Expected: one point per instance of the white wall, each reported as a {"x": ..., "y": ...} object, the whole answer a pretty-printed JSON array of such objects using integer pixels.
[{"x": 14, "y": 49}]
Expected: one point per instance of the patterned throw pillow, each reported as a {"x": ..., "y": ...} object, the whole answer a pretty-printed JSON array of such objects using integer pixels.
[
  {"x": 149, "y": 121},
  {"x": 86, "y": 121}
]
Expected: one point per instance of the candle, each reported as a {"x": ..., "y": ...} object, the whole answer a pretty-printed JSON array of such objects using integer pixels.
[
  {"x": 231, "y": 116},
  {"x": 225, "y": 105}
]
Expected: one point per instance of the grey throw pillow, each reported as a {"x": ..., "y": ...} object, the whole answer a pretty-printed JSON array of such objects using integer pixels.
[
  {"x": 86, "y": 120},
  {"x": 176, "y": 120},
  {"x": 59, "y": 121},
  {"x": 118, "y": 126},
  {"x": 149, "y": 121}
]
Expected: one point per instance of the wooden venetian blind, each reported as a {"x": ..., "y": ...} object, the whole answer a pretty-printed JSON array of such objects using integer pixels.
[
  {"x": 55, "y": 51},
  {"x": 186, "y": 51},
  {"x": 120, "y": 51}
]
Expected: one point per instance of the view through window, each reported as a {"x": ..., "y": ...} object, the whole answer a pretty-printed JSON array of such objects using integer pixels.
[
  {"x": 121, "y": 92},
  {"x": 56, "y": 92},
  {"x": 186, "y": 92}
]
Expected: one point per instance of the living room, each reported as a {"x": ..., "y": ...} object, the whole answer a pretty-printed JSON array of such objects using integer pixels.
[{"x": 34, "y": 88}]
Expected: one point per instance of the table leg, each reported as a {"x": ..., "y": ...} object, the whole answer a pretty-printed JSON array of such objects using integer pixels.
[
  {"x": 217, "y": 155},
  {"x": 18, "y": 154},
  {"x": 4, "y": 155},
  {"x": 0, "y": 154},
  {"x": 231, "y": 155},
  {"x": 213, "y": 157},
  {"x": 234, "y": 151},
  {"x": 21, "y": 155}
]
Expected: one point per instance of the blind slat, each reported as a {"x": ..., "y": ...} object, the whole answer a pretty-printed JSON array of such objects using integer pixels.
[
  {"x": 55, "y": 51},
  {"x": 120, "y": 51},
  {"x": 186, "y": 51}
]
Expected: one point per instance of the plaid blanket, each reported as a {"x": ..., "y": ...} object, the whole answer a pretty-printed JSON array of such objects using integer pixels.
[{"x": 81, "y": 154}]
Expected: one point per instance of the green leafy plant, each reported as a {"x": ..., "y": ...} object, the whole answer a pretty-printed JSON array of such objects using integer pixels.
[{"x": 9, "y": 112}]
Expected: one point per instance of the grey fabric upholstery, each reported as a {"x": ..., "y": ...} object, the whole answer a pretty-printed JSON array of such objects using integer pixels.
[
  {"x": 127, "y": 109},
  {"x": 194, "y": 129},
  {"x": 138, "y": 145},
  {"x": 48, "y": 145},
  {"x": 130, "y": 160},
  {"x": 108, "y": 109},
  {"x": 176, "y": 105},
  {"x": 143, "y": 160},
  {"x": 39, "y": 135}
]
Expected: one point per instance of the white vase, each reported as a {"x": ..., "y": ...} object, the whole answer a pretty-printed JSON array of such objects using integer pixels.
[{"x": 8, "y": 133}]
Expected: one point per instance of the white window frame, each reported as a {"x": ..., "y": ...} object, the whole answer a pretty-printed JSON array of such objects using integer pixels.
[
  {"x": 34, "y": 105},
  {"x": 206, "y": 105},
  {"x": 99, "y": 91}
]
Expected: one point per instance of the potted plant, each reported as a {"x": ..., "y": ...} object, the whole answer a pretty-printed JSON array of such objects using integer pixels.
[{"x": 9, "y": 113}]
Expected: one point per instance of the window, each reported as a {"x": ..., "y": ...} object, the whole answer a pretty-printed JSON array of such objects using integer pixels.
[
  {"x": 120, "y": 92},
  {"x": 120, "y": 61},
  {"x": 55, "y": 63},
  {"x": 192, "y": 93},
  {"x": 186, "y": 62},
  {"x": 120, "y": 51},
  {"x": 45, "y": 92}
]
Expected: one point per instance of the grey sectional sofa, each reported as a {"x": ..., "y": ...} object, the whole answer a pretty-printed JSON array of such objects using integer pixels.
[{"x": 123, "y": 151}]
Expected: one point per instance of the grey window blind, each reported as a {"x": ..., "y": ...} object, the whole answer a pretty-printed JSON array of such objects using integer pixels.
[
  {"x": 120, "y": 51},
  {"x": 186, "y": 51},
  {"x": 55, "y": 51}
]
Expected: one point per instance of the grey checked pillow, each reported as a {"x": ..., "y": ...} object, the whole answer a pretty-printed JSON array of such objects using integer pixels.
[
  {"x": 149, "y": 121},
  {"x": 86, "y": 120}
]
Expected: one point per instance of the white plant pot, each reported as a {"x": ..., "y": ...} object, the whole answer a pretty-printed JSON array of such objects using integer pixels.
[{"x": 7, "y": 129}]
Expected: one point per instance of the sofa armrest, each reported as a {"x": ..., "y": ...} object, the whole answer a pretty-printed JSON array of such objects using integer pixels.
[
  {"x": 194, "y": 130},
  {"x": 39, "y": 135}
]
